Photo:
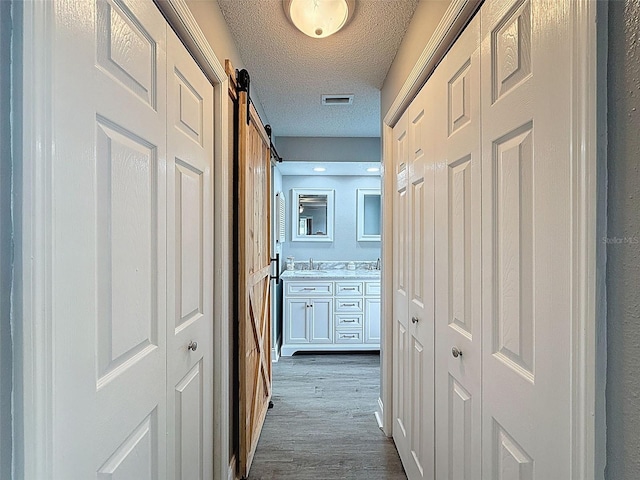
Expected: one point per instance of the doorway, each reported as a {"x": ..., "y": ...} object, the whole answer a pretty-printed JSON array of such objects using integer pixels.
[{"x": 324, "y": 308}]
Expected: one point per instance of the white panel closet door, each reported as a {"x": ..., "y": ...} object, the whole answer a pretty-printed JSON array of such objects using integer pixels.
[
  {"x": 401, "y": 406},
  {"x": 455, "y": 99},
  {"x": 419, "y": 462},
  {"x": 528, "y": 250},
  {"x": 109, "y": 249},
  {"x": 189, "y": 266}
]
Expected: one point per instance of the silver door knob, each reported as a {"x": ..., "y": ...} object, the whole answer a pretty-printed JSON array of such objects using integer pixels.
[
  {"x": 456, "y": 352},
  {"x": 415, "y": 319},
  {"x": 193, "y": 346}
]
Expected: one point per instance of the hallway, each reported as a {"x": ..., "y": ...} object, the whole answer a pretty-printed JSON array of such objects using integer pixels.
[{"x": 322, "y": 425}]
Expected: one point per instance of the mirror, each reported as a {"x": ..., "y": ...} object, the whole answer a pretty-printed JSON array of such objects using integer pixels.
[
  {"x": 312, "y": 214},
  {"x": 369, "y": 208}
]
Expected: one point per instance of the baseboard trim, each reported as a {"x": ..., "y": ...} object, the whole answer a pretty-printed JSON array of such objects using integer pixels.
[
  {"x": 379, "y": 413},
  {"x": 231, "y": 473}
]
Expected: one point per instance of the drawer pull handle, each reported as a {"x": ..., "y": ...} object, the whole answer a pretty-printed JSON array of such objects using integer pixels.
[
  {"x": 350, "y": 288},
  {"x": 348, "y": 304},
  {"x": 308, "y": 288},
  {"x": 349, "y": 336},
  {"x": 353, "y": 320}
]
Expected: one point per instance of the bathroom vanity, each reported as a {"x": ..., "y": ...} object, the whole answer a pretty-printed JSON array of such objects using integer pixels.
[{"x": 331, "y": 310}]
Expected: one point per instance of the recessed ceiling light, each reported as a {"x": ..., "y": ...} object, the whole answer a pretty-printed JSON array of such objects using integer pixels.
[
  {"x": 319, "y": 169},
  {"x": 373, "y": 169},
  {"x": 318, "y": 18}
]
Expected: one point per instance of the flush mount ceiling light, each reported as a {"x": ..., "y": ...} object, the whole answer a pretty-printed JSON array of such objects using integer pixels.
[
  {"x": 319, "y": 169},
  {"x": 319, "y": 18},
  {"x": 373, "y": 169}
]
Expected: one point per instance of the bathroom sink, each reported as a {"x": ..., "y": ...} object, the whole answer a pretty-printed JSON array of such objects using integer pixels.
[{"x": 311, "y": 272}]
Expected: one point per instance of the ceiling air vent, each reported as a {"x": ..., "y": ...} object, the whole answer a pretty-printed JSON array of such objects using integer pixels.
[{"x": 337, "y": 99}]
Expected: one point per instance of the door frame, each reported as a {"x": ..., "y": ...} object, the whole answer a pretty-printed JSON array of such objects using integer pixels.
[
  {"x": 588, "y": 346},
  {"x": 34, "y": 348}
]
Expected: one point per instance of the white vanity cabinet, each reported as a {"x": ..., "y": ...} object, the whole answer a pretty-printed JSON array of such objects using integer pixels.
[{"x": 331, "y": 314}]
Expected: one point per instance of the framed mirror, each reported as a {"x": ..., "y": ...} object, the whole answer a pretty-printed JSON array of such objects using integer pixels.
[
  {"x": 312, "y": 215},
  {"x": 369, "y": 215}
]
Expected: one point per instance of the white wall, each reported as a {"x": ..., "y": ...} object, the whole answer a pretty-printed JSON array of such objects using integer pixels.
[
  {"x": 329, "y": 149},
  {"x": 623, "y": 249},
  {"x": 345, "y": 246},
  {"x": 423, "y": 23},
  {"x": 277, "y": 298},
  {"x": 6, "y": 248},
  {"x": 211, "y": 21}
]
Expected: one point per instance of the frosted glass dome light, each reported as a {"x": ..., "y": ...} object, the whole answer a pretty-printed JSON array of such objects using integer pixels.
[{"x": 319, "y": 18}]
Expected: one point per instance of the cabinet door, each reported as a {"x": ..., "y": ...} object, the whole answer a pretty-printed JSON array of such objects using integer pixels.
[
  {"x": 296, "y": 329},
  {"x": 372, "y": 320},
  {"x": 320, "y": 316}
]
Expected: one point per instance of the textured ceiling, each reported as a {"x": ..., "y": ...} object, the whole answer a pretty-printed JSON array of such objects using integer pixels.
[{"x": 291, "y": 71}]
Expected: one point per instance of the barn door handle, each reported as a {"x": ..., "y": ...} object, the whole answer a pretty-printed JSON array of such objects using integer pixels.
[
  {"x": 456, "y": 352},
  {"x": 415, "y": 319},
  {"x": 276, "y": 277},
  {"x": 193, "y": 346}
]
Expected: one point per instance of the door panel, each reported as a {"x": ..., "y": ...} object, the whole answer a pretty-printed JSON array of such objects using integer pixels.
[
  {"x": 190, "y": 265},
  {"x": 458, "y": 259},
  {"x": 421, "y": 286},
  {"x": 401, "y": 420},
  {"x": 321, "y": 313},
  {"x": 254, "y": 310},
  {"x": 108, "y": 271},
  {"x": 372, "y": 319},
  {"x": 189, "y": 429},
  {"x": 415, "y": 319},
  {"x": 297, "y": 318},
  {"x": 527, "y": 220}
]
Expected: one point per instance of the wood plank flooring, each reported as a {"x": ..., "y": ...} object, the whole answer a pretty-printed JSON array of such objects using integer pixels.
[{"x": 322, "y": 426}]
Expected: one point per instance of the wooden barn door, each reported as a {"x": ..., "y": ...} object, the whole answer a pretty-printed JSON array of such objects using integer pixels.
[{"x": 254, "y": 271}]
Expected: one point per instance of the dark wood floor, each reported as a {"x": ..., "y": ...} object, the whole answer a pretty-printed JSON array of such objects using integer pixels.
[{"x": 322, "y": 426}]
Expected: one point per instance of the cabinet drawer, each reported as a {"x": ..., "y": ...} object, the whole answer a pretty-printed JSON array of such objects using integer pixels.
[
  {"x": 348, "y": 288},
  {"x": 372, "y": 288},
  {"x": 346, "y": 320},
  {"x": 349, "y": 336},
  {"x": 349, "y": 305},
  {"x": 309, "y": 288}
]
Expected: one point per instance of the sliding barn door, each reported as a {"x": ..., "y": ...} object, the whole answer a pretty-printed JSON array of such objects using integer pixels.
[{"x": 254, "y": 267}]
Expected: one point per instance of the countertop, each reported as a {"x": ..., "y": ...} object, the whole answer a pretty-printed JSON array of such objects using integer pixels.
[{"x": 330, "y": 274}]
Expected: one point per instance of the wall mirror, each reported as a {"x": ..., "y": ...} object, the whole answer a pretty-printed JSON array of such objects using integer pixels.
[
  {"x": 312, "y": 215},
  {"x": 368, "y": 215}
]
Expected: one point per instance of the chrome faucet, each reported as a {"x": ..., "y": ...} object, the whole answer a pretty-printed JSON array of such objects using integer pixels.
[
  {"x": 310, "y": 263},
  {"x": 378, "y": 264}
]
